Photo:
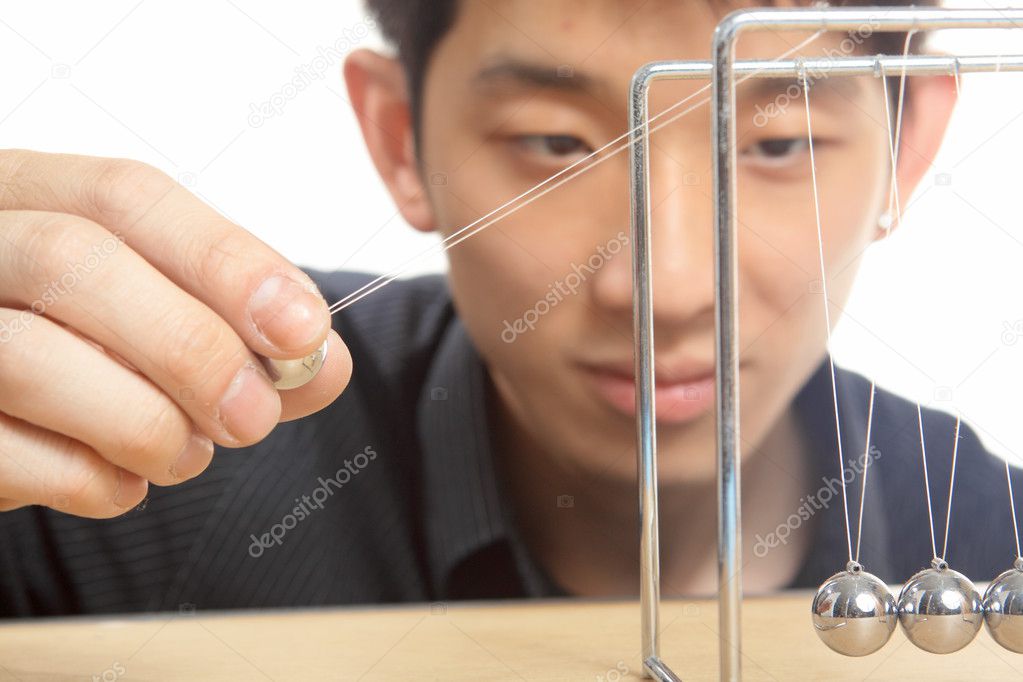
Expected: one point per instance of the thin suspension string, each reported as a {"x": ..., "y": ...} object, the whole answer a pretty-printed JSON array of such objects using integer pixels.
[
  {"x": 895, "y": 141},
  {"x": 1008, "y": 476},
  {"x": 827, "y": 314},
  {"x": 927, "y": 484},
  {"x": 1012, "y": 506},
  {"x": 894, "y": 144},
  {"x": 894, "y": 200},
  {"x": 512, "y": 205},
  {"x": 955, "y": 445},
  {"x": 951, "y": 487},
  {"x": 866, "y": 466},
  {"x": 549, "y": 184},
  {"x": 870, "y": 409},
  {"x": 893, "y": 147}
]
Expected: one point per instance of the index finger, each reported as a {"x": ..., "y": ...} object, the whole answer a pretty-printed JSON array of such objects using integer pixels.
[{"x": 273, "y": 306}]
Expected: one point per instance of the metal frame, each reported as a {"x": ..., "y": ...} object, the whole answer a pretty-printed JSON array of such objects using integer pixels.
[{"x": 723, "y": 70}]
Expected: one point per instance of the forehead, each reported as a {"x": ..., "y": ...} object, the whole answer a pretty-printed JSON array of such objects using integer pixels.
[
  {"x": 594, "y": 46},
  {"x": 577, "y": 31}
]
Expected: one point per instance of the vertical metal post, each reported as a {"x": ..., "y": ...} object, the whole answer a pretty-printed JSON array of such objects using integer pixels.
[
  {"x": 643, "y": 322},
  {"x": 727, "y": 381}
]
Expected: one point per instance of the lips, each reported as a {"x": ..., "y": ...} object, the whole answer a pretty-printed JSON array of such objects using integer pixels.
[{"x": 682, "y": 392}]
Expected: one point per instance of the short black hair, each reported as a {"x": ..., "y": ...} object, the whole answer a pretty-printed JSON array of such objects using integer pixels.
[{"x": 415, "y": 27}]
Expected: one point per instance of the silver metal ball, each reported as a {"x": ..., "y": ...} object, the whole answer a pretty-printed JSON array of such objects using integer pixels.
[
  {"x": 1003, "y": 608},
  {"x": 940, "y": 609},
  {"x": 853, "y": 612},
  {"x": 287, "y": 374}
]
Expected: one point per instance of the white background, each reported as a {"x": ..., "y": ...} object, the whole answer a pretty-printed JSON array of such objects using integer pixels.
[{"x": 937, "y": 314}]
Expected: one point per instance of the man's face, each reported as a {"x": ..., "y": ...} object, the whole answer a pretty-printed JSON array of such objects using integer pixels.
[{"x": 517, "y": 91}]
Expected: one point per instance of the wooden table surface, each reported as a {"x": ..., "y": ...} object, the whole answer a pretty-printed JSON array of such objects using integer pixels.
[{"x": 549, "y": 640}]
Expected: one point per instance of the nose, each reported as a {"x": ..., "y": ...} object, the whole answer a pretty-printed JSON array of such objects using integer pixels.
[
  {"x": 682, "y": 251},
  {"x": 682, "y": 245}
]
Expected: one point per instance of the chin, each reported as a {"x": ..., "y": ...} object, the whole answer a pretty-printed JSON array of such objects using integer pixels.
[{"x": 684, "y": 471}]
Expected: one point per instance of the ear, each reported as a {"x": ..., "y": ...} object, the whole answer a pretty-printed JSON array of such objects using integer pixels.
[
  {"x": 377, "y": 90},
  {"x": 929, "y": 106}
]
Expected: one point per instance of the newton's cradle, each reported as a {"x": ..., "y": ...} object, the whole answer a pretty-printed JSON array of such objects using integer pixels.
[{"x": 853, "y": 613}]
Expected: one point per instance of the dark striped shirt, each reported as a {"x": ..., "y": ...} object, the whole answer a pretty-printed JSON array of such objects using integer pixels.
[{"x": 390, "y": 493}]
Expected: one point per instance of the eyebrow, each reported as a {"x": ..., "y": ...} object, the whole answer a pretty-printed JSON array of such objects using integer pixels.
[
  {"x": 839, "y": 87},
  {"x": 508, "y": 73}
]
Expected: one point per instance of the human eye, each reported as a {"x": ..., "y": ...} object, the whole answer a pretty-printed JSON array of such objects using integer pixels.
[
  {"x": 778, "y": 151},
  {"x": 556, "y": 148}
]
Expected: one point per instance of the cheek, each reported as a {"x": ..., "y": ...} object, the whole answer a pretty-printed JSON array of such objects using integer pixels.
[
  {"x": 502, "y": 281},
  {"x": 497, "y": 286},
  {"x": 780, "y": 257},
  {"x": 506, "y": 274}
]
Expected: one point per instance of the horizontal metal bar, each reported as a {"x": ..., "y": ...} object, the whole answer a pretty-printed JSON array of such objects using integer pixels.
[
  {"x": 887, "y": 19},
  {"x": 916, "y": 65}
]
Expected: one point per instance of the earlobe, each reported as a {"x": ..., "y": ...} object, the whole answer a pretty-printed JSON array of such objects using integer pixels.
[{"x": 377, "y": 90}]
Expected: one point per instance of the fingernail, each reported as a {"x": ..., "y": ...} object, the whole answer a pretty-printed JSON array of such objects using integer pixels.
[
  {"x": 130, "y": 488},
  {"x": 194, "y": 457},
  {"x": 250, "y": 407},
  {"x": 289, "y": 314}
]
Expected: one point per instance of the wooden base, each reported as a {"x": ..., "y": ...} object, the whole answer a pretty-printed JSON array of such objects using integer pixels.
[{"x": 550, "y": 640}]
